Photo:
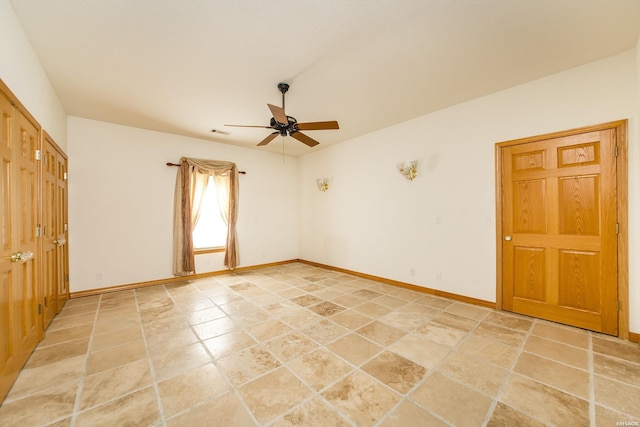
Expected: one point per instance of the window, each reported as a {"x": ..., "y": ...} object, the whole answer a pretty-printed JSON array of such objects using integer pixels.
[{"x": 210, "y": 231}]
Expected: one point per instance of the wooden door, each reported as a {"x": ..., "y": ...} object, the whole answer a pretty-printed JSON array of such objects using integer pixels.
[
  {"x": 559, "y": 225},
  {"x": 49, "y": 231},
  {"x": 61, "y": 227},
  {"x": 19, "y": 319}
]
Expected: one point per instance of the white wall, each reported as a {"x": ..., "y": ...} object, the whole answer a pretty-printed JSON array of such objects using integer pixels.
[
  {"x": 442, "y": 225},
  {"x": 121, "y": 203},
  {"x": 22, "y": 73}
]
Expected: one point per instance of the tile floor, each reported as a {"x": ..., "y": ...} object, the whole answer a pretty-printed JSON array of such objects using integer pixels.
[{"x": 300, "y": 345}]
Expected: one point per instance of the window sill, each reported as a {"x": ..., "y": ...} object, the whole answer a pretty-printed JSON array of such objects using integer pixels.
[{"x": 208, "y": 250}]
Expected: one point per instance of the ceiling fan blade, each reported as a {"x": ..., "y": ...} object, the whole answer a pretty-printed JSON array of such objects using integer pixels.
[
  {"x": 278, "y": 114},
  {"x": 269, "y": 138},
  {"x": 304, "y": 139},
  {"x": 318, "y": 125},
  {"x": 249, "y": 126}
]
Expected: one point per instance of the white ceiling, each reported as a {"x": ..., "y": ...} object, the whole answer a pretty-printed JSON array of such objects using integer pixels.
[{"x": 188, "y": 66}]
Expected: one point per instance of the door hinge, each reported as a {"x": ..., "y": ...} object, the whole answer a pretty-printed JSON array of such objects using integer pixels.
[
  {"x": 39, "y": 308},
  {"x": 66, "y": 227},
  {"x": 617, "y": 227},
  {"x": 616, "y": 151},
  {"x": 65, "y": 176},
  {"x": 38, "y": 229},
  {"x": 618, "y": 305},
  {"x": 38, "y": 154},
  {"x": 45, "y": 301},
  {"x": 66, "y": 277}
]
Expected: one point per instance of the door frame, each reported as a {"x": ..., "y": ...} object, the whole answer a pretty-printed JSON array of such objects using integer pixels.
[{"x": 622, "y": 180}]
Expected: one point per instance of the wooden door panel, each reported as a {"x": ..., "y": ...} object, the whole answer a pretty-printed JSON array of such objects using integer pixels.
[
  {"x": 559, "y": 212},
  {"x": 579, "y": 274},
  {"x": 528, "y": 197},
  {"x": 579, "y": 205},
  {"x": 529, "y": 273}
]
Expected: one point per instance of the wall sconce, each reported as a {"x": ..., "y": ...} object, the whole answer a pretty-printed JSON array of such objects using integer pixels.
[
  {"x": 323, "y": 184},
  {"x": 409, "y": 169}
]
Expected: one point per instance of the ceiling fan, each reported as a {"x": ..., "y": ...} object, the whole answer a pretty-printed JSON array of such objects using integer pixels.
[{"x": 286, "y": 125}]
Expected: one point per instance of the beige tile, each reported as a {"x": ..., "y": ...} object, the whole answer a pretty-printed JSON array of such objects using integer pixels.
[
  {"x": 499, "y": 354},
  {"x": 225, "y": 410},
  {"x": 281, "y": 307},
  {"x": 163, "y": 325},
  {"x": 177, "y": 338},
  {"x": 389, "y": 301},
  {"x": 268, "y": 329},
  {"x": 348, "y": 301},
  {"x": 324, "y": 331},
  {"x": 455, "y": 321},
  {"x": 363, "y": 400},
  {"x": 405, "y": 294},
  {"x": 395, "y": 371},
  {"x": 191, "y": 388},
  {"x": 56, "y": 353},
  {"x": 32, "y": 380},
  {"x": 39, "y": 408},
  {"x": 549, "y": 405},
  {"x": 116, "y": 356},
  {"x": 113, "y": 383},
  {"x": 498, "y": 333},
  {"x": 205, "y": 315},
  {"x": 298, "y": 318},
  {"x": 372, "y": 309},
  {"x": 119, "y": 295},
  {"x": 118, "y": 337},
  {"x": 247, "y": 364},
  {"x": 326, "y": 309},
  {"x": 351, "y": 319},
  {"x": 570, "y": 336},
  {"x": 273, "y": 394},
  {"x": 505, "y": 416},
  {"x": 510, "y": 321},
  {"x": 72, "y": 310},
  {"x": 314, "y": 412},
  {"x": 138, "y": 408},
  {"x": 71, "y": 321},
  {"x": 467, "y": 310},
  {"x": 214, "y": 328},
  {"x": 617, "y": 348},
  {"x": 110, "y": 325},
  {"x": 557, "y": 351},
  {"x": 607, "y": 417},
  {"x": 420, "y": 350},
  {"x": 176, "y": 360},
  {"x": 410, "y": 414},
  {"x": 435, "y": 302},
  {"x": 475, "y": 373},
  {"x": 382, "y": 334},
  {"x": 63, "y": 335},
  {"x": 366, "y": 294},
  {"x": 290, "y": 346},
  {"x": 441, "y": 334},
  {"x": 401, "y": 320},
  {"x": 224, "y": 345},
  {"x": 354, "y": 348},
  {"x": 320, "y": 368},
  {"x": 618, "y": 396},
  {"x": 560, "y": 376},
  {"x": 444, "y": 397}
]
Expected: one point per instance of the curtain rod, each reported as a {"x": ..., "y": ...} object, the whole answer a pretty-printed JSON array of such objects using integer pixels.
[{"x": 177, "y": 164}]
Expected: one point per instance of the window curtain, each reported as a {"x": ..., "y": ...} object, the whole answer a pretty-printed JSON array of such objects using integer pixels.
[{"x": 191, "y": 184}]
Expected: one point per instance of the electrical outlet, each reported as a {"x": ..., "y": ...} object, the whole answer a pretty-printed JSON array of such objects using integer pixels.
[
  {"x": 412, "y": 272},
  {"x": 439, "y": 277},
  {"x": 99, "y": 276}
]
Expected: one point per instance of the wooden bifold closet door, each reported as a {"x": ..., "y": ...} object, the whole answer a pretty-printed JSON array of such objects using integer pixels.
[{"x": 20, "y": 324}]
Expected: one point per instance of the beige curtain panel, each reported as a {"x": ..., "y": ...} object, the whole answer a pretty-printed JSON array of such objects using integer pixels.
[{"x": 191, "y": 184}]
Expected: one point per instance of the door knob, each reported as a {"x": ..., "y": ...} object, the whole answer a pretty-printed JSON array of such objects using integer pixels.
[
  {"x": 16, "y": 257},
  {"x": 507, "y": 238}
]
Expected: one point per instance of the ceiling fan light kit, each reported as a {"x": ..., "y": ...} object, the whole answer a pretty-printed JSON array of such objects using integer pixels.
[{"x": 284, "y": 125}]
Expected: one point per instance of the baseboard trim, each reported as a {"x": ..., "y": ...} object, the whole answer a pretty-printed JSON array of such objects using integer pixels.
[
  {"x": 634, "y": 337},
  {"x": 409, "y": 286},
  {"x": 125, "y": 287}
]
